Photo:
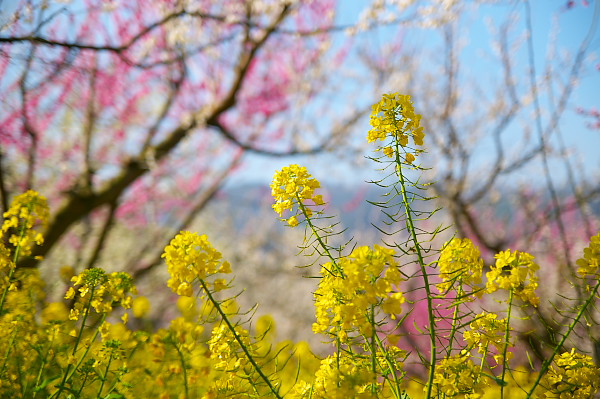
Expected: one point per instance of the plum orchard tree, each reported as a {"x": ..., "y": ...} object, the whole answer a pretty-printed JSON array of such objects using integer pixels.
[{"x": 102, "y": 101}]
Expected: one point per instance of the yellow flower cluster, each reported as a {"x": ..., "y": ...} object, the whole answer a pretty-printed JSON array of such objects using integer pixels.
[
  {"x": 515, "y": 271},
  {"x": 572, "y": 376},
  {"x": 226, "y": 351},
  {"x": 6, "y": 262},
  {"x": 394, "y": 116},
  {"x": 27, "y": 211},
  {"x": 370, "y": 278},
  {"x": 19, "y": 333},
  {"x": 342, "y": 377},
  {"x": 186, "y": 333},
  {"x": 292, "y": 186},
  {"x": 457, "y": 376},
  {"x": 102, "y": 290},
  {"x": 589, "y": 265},
  {"x": 190, "y": 256},
  {"x": 168, "y": 361},
  {"x": 460, "y": 262},
  {"x": 488, "y": 330}
]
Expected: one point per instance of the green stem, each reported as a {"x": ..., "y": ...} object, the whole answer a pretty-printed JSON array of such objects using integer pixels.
[
  {"x": 338, "y": 351},
  {"x": 5, "y": 292},
  {"x": 482, "y": 363},
  {"x": 77, "y": 341},
  {"x": 239, "y": 339},
  {"x": 506, "y": 341},
  {"x": 558, "y": 347},
  {"x": 87, "y": 349},
  {"x": 105, "y": 376},
  {"x": 85, "y": 378},
  {"x": 319, "y": 239},
  {"x": 333, "y": 262},
  {"x": 459, "y": 294},
  {"x": 392, "y": 368},
  {"x": 417, "y": 246},
  {"x": 373, "y": 348},
  {"x": 183, "y": 367},
  {"x": 42, "y": 366}
]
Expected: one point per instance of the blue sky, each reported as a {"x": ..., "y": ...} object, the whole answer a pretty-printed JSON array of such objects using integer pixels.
[{"x": 573, "y": 24}]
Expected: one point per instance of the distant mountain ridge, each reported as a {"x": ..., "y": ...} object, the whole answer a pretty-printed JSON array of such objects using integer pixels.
[{"x": 348, "y": 203}]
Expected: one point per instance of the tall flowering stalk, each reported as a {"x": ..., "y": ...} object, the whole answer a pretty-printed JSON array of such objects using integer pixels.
[
  {"x": 358, "y": 294},
  {"x": 293, "y": 189},
  {"x": 460, "y": 269},
  {"x": 192, "y": 260},
  {"x": 93, "y": 291},
  {"x": 395, "y": 123}
]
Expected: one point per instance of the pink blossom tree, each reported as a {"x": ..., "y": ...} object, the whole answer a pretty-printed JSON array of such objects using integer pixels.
[{"x": 139, "y": 111}]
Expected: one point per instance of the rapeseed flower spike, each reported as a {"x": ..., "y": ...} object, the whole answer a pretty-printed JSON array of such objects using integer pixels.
[
  {"x": 370, "y": 278},
  {"x": 514, "y": 271},
  {"x": 485, "y": 331},
  {"x": 190, "y": 256},
  {"x": 101, "y": 289},
  {"x": 589, "y": 265},
  {"x": 341, "y": 377},
  {"x": 27, "y": 212},
  {"x": 572, "y": 375},
  {"x": 292, "y": 187},
  {"x": 119, "y": 285},
  {"x": 458, "y": 376},
  {"x": 225, "y": 350},
  {"x": 394, "y": 116},
  {"x": 460, "y": 262}
]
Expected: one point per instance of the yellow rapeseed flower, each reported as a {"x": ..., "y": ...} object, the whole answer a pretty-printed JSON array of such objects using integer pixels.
[
  {"x": 190, "y": 256},
  {"x": 27, "y": 212},
  {"x": 341, "y": 377},
  {"x": 294, "y": 188},
  {"x": 370, "y": 278},
  {"x": 140, "y": 306},
  {"x": 55, "y": 311},
  {"x": 488, "y": 330},
  {"x": 460, "y": 262},
  {"x": 457, "y": 376},
  {"x": 225, "y": 350},
  {"x": 515, "y": 271},
  {"x": 101, "y": 289},
  {"x": 394, "y": 116},
  {"x": 589, "y": 265},
  {"x": 572, "y": 376}
]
